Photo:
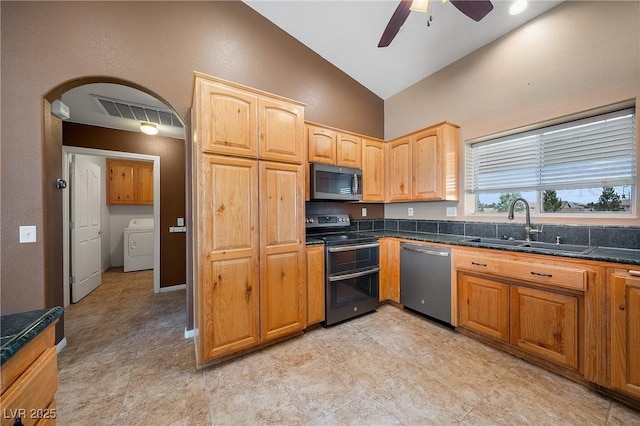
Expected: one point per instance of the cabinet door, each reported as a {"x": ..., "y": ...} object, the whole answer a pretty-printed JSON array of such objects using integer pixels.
[
  {"x": 144, "y": 183},
  {"x": 545, "y": 324},
  {"x": 281, "y": 131},
  {"x": 322, "y": 145},
  {"x": 228, "y": 276},
  {"x": 625, "y": 332},
  {"x": 226, "y": 119},
  {"x": 315, "y": 284},
  {"x": 373, "y": 171},
  {"x": 389, "y": 270},
  {"x": 399, "y": 170},
  {"x": 122, "y": 184},
  {"x": 282, "y": 259},
  {"x": 427, "y": 167},
  {"x": 483, "y": 306},
  {"x": 349, "y": 151}
]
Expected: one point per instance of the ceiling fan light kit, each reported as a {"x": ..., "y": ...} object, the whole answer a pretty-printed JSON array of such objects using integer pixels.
[{"x": 474, "y": 9}]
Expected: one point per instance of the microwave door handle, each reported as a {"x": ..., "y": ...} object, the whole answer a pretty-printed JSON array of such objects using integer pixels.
[{"x": 354, "y": 187}]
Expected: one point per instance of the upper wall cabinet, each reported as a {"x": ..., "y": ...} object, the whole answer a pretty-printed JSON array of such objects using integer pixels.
[
  {"x": 328, "y": 146},
  {"x": 423, "y": 166},
  {"x": 239, "y": 121},
  {"x": 373, "y": 170},
  {"x": 129, "y": 182}
]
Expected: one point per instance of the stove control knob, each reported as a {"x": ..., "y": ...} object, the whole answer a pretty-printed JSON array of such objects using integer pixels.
[{"x": 310, "y": 220}]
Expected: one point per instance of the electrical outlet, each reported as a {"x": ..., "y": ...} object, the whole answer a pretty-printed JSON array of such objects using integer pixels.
[
  {"x": 452, "y": 211},
  {"x": 410, "y": 211},
  {"x": 364, "y": 212}
]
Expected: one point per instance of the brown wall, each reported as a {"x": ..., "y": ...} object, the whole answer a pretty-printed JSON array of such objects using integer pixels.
[
  {"x": 156, "y": 46},
  {"x": 172, "y": 185}
]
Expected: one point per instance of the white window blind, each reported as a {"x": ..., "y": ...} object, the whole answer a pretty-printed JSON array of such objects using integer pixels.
[{"x": 591, "y": 152}]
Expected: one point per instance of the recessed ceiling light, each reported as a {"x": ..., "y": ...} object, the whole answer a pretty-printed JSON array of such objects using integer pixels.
[{"x": 518, "y": 7}]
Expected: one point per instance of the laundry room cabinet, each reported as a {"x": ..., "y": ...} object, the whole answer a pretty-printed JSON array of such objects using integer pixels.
[{"x": 129, "y": 182}]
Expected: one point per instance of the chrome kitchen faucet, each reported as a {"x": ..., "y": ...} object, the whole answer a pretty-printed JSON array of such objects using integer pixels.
[{"x": 528, "y": 230}]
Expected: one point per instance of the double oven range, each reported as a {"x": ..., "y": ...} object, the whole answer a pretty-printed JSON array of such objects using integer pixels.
[{"x": 351, "y": 267}]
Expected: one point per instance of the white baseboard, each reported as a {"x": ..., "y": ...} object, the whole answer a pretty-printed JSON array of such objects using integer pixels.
[
  {"x": 173, "y": 288},
  {"x": 61, "y": 345},
  {"x": 188, "y": 334}
]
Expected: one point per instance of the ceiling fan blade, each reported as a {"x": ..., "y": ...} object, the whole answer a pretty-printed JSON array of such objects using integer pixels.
[
  {"x": 474, "y": 9},
  {"x": 396, "y": 21}
]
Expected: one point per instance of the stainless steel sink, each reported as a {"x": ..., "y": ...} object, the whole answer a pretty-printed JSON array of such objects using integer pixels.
[{"x": 537, "y": 245}]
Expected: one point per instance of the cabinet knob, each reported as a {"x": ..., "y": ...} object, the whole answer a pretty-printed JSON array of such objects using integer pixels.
[{"x": 621, "y": 308}]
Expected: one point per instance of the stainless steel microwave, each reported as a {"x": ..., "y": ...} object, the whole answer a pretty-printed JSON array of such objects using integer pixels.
[{"x": 328, "y": 182}]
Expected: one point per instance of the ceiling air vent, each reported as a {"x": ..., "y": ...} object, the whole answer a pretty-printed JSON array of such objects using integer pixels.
[{"x": 124, "y": 109}]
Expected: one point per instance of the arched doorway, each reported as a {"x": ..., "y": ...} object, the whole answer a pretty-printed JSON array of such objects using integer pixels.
[{"x": 53, "y": 230}]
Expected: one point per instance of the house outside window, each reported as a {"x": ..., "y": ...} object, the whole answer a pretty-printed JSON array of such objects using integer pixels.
[{"x": 581, "y": 167}]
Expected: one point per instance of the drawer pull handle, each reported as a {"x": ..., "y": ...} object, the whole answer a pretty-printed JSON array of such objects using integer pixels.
[
  {"x": 634, "y": 273},
  {"x": 478, "y": 264},
  {"x": 541, "y": 275}
]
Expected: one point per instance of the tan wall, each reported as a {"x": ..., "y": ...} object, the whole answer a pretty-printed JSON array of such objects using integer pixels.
[
  {"x": 157, "y": 46},
  {"x": 577, "y": 56}
]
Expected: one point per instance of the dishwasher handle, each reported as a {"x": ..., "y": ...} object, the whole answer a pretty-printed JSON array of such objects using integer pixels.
[{"x": 424, "y": 250}]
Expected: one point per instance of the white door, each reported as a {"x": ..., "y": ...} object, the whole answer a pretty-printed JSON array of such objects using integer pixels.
[{"x": 86, "y": 256}]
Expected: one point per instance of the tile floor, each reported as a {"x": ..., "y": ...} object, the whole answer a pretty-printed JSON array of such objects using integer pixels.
[{"x": 127, "y": 363}]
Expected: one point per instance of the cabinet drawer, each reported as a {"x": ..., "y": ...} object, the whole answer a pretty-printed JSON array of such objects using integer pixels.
[
  {"x": 33, "y": 391},
  {"x": 534, "y": 271}
]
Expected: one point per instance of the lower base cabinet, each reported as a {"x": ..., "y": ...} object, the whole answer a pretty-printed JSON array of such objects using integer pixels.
[
  {"x": 389, "y": 270},
  {"x": 315, "y": 284},
  {"x": 540, "y": 322},
  {"x": 624, "y": 287},
  {"x": 483, "y": 306},
  {"x": 545, "y": 324}
]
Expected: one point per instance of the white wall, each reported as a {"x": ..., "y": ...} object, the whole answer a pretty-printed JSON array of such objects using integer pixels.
[{"x": 578, "y": 56}]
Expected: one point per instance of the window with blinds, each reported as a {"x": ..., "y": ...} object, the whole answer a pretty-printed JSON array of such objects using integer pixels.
[{"x": 591, "y": 162}]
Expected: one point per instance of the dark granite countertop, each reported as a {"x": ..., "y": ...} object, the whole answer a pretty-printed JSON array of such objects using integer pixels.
[
  {"x": 313, "y": 241},
  {"x": 602, "y": 254},
  {"x": 19, "y": 329}
]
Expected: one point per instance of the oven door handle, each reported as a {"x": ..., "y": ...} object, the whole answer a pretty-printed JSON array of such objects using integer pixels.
[
  {"x": 354, "y": 275},
  {"x": 351, "y": 248}
]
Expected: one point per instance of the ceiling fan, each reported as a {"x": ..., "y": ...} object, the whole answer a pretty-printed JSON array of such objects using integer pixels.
[{"x": 474, "y": 9}]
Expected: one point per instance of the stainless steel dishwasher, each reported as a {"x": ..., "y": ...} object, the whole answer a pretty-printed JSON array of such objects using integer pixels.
[{"x": 425, "y": 280}]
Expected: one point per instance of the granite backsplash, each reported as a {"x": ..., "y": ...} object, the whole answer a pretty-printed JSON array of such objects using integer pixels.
[{"x": 602, "y": 236}]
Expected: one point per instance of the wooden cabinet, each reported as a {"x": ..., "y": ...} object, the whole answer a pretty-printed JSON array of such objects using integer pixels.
[
  {"x": 315, "y": 284},
  {"x": 281, "y": 131},
  {"x": 129, "y": 182},
  {"x": 248, "y": 217},
  {"x": 423, "y": 166},
  {"x": 322, "y": 145},
  {"x": 624, "y": 311},
  {"x": 373, "y": 170},
  {"x": 349, "y": 151},
  {"x": 227, "y": 293},
  {"x": 282, "y": 289},
  {"x": 235, "y": 120},
  {"x": 30, "y": 381},
  {"x": 546, "y": 324},
  {"x": 389, "y": 270},
  {"x": 398, "y": 164},
  {"x": 484, "y": 306},
  {"x": 227, "y": 119},
  {"x": 330, "y": 146},
  {"x": 526, "y": 302}
]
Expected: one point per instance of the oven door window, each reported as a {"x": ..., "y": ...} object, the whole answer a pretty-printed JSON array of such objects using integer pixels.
[
  {"x": 349, "y": 290},
  {"x": 352, "y": 258}
]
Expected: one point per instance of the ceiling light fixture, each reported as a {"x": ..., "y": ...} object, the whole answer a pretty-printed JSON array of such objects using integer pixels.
[
  {"x": 518, "y": 7},
  {"x": 419, "y": 5},
  {"x": 149, "y": 128}
]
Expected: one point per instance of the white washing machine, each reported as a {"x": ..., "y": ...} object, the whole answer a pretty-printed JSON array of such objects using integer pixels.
[{"x": 138, "y": 245}]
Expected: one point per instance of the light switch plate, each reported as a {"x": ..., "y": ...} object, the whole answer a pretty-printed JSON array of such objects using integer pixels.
[
  {"x": 181, "y": 221},
  {"x": 364, "y": 212},
  {"x": 27, "y": 234}
]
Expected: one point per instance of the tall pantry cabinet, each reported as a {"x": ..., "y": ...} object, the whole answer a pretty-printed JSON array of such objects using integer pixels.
[{"x": 249, "y": 257}]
